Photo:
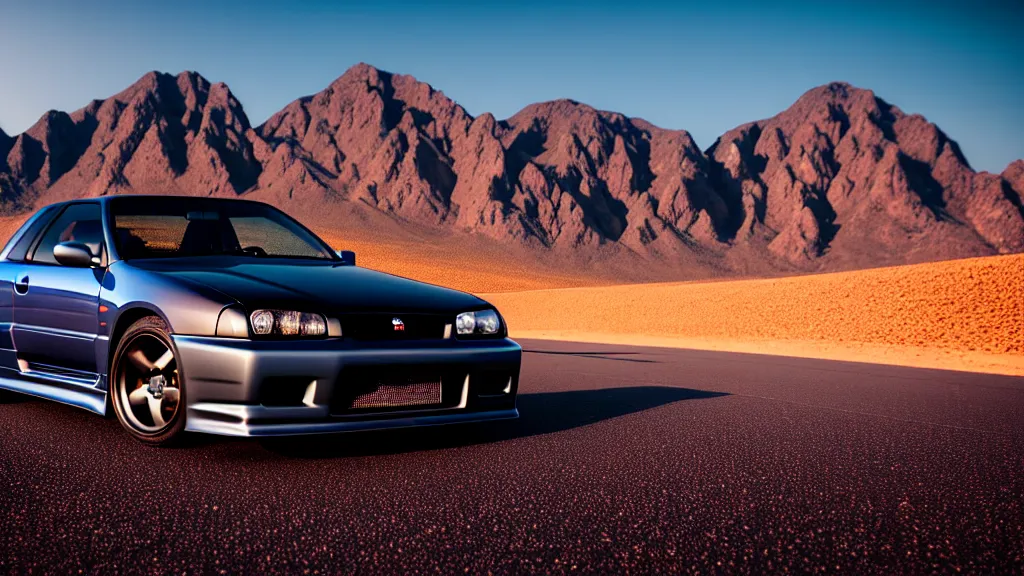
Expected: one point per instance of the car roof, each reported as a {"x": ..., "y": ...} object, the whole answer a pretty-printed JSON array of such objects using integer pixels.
[{"x": 108, "y": 199}]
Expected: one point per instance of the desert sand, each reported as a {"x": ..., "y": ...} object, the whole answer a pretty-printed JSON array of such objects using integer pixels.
[
  {"x": 957, "y": 315},
  {"x": 9, "y": 224},
  {"x": 463, "y": 266}
]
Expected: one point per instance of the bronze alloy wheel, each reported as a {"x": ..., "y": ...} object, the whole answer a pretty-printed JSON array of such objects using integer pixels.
[{"x": 146, "y": 383}]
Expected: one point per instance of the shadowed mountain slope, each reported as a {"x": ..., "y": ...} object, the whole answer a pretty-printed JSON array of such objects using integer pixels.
[{"x": 839, "y": 180}]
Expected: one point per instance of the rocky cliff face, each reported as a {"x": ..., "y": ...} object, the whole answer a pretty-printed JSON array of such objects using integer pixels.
[
  {"x": 555, "y": 174},
  {"x": 370, "y": 136},
  {"x": 5, "y": 145},
  {"x": 164, "y": 134},
  {"x": 841, "y": 179},
  {"x": 8, "y": 186},
  {"x": 843, "y": 166}
]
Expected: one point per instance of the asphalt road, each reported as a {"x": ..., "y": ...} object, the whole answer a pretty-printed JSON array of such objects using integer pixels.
[{"x": 624, "y": 460}]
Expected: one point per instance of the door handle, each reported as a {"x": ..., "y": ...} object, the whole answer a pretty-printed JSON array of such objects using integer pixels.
[{"x": 21, "y": 284}]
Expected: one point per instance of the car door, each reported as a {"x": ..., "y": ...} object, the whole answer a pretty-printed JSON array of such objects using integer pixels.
[
  {"x": 56, "y": 307},
  {"x": 11, "y": 260}
]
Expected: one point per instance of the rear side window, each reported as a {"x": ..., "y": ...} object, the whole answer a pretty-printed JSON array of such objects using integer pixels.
[
  {"x": 77, "y": 223},
  {"x": 32, "y": 229}
]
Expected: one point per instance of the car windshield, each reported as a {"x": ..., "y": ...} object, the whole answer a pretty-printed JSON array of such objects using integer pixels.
[{"x": 182, "y": 227}]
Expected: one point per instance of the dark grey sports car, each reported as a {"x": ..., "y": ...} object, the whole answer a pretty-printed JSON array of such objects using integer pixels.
[{"x": 229, "y": 317}]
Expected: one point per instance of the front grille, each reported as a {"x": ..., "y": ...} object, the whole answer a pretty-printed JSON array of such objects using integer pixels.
[
  {"x": 385, "y": 327},
  {"x": 397, "y": 395},
  {"x": 372, "y": 389}
]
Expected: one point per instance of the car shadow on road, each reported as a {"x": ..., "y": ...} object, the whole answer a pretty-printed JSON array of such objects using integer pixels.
[
  {"x": 539, "y": 413},
  {"x": 618, "y": 356}
]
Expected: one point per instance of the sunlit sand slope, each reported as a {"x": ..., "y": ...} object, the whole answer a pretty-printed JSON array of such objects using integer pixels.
[
  {"x": 467, "y": 266},
  {"x": 960, "y": 314}
]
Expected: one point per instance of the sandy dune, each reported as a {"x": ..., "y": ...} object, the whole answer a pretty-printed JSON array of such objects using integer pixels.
[
  {"x": 463, "y": 266},
  {"x": 960, "y": 314}
]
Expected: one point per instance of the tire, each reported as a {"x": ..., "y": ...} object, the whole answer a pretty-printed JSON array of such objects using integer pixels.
[{"x": 146, "y": 384}]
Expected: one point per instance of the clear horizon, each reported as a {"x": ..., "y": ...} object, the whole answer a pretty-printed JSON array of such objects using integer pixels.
[{"x": 705, "y": 69}]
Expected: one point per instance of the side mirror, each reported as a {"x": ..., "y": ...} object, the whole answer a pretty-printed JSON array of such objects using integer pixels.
[
  {"x": 75, "y": 254},
  {"x": 348, "y": 257}
]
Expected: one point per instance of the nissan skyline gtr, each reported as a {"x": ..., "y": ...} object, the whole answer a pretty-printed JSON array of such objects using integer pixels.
[{"x": 225, "y": 316}]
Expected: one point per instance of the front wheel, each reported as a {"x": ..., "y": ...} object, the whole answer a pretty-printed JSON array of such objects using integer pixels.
[{"x": 146, "y": 385}]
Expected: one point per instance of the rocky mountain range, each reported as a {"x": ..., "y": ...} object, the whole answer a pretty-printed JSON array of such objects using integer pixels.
[{"x": 841, "y": 179}]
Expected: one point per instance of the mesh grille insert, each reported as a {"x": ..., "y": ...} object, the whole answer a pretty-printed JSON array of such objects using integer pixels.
[{"x": 406, "y": 394}]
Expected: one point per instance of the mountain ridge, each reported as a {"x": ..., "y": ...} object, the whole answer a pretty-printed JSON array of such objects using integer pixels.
[{"x": 841, "y": 179}]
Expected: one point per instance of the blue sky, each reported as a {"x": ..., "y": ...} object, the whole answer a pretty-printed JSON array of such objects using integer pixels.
[{"x": 705, "y": 67}]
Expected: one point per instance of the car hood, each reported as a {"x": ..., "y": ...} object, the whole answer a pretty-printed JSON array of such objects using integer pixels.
[{"x": 309, "y": 285}]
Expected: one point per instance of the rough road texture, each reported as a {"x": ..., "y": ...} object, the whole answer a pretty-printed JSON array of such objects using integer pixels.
[
  {"x": 840, "y": 180},
  {"x": 625, "y": 460}
]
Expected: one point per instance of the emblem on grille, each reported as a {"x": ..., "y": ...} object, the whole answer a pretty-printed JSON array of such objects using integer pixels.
[{"x": 398, "y": 324}]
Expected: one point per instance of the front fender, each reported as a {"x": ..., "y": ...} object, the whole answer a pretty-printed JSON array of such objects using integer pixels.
[{"x": 188, "y": 308}]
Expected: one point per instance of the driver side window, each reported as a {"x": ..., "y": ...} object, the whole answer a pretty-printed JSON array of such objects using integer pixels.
[{"x": 78, "y": 223}]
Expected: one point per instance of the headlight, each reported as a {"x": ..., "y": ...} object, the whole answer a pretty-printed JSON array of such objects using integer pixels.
[
  {"x": 484, "y": 322},
  {"x": 287, "y": 323}
]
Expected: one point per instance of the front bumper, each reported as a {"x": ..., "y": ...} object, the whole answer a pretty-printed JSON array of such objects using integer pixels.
[{"x": 274, "y": 388}]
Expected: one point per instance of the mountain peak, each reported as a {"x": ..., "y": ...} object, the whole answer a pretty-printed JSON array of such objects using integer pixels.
[
  {"x": 46, "y": 122},
  {"x": 162, "y": 84},
  {"x": 835, "y": 91},
  {"x": 839, "y": 89},
  {"x": 164, "y": 133},
  {"x": 153, "y": 77},
  {"x": 833, "y": 96},
  {"x": 366, "y": 74},
  {"x": 363, "y": 69},
  {"x": 559, "y": 106}
]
